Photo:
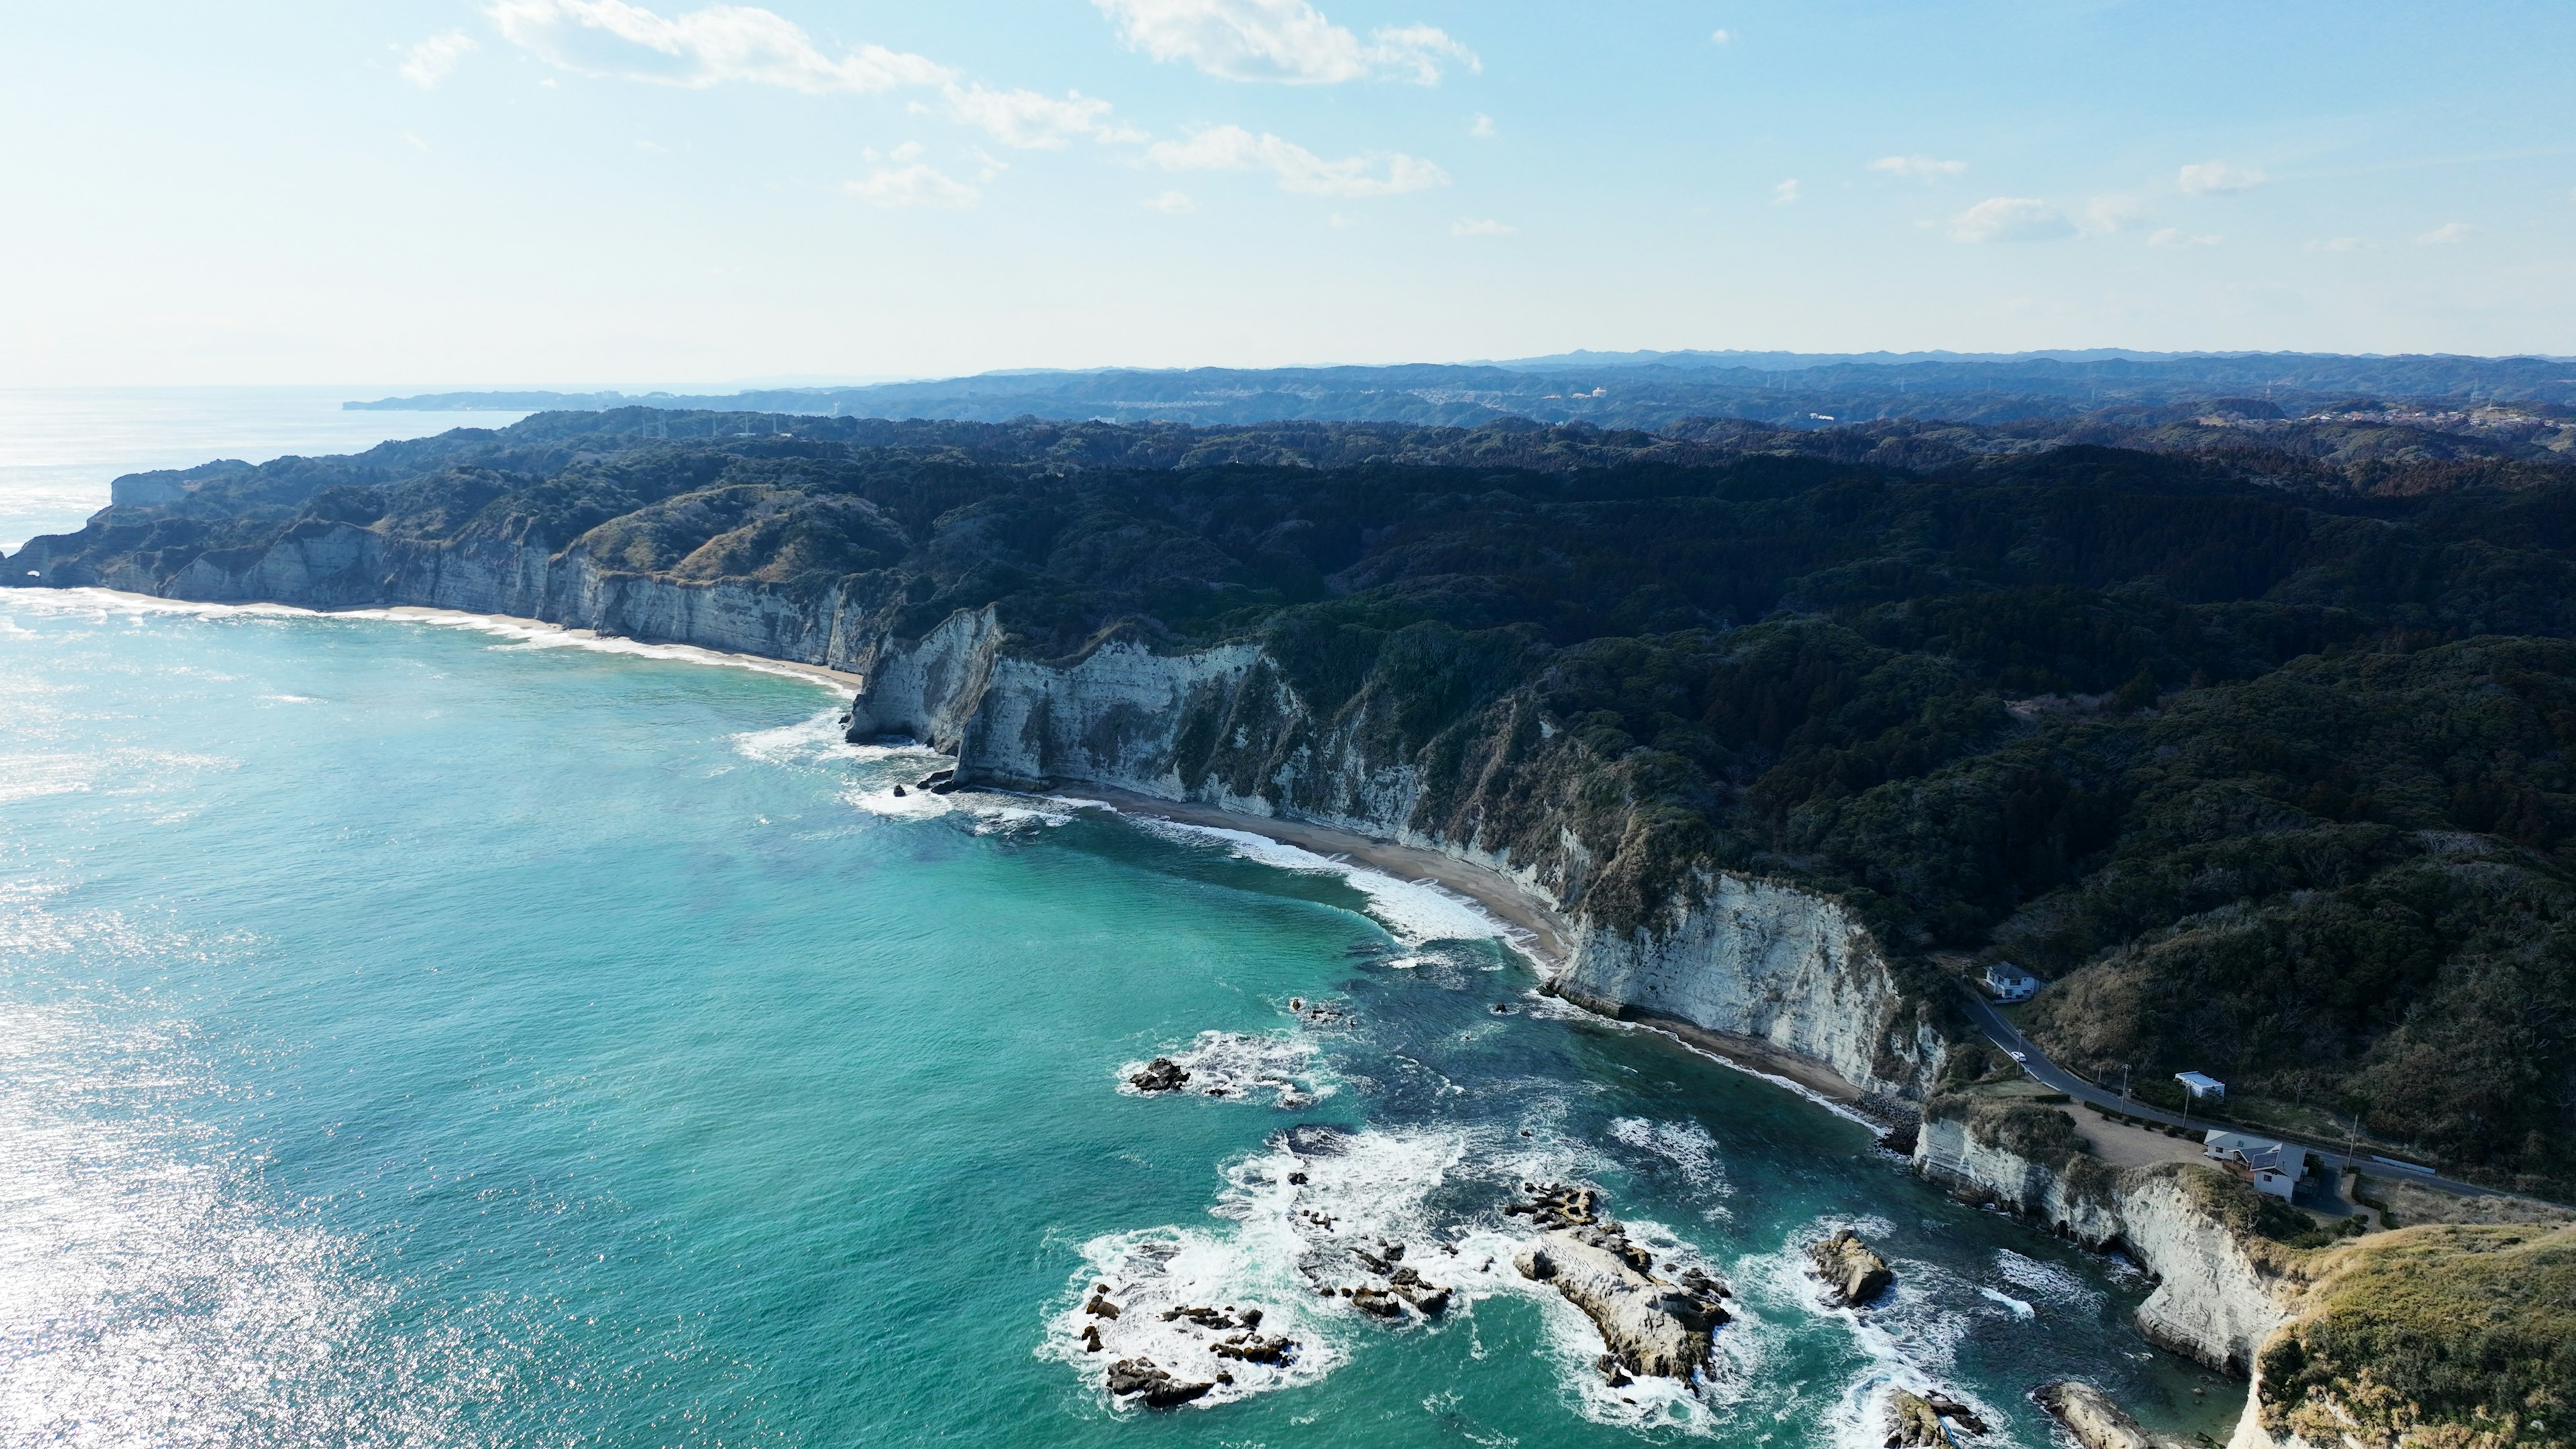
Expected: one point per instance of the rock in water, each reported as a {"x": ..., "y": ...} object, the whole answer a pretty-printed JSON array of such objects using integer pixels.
[
  {"x": 1954, "y": 1411},
  {"x": 1650, "y": 1326},
  {"x": 1143, "y": 1378},
  {"x": 1912, "y": 1423},
  {"x": 1162, "y": 1074},
  {"x": 1854, "y": 1273},
  {"x": 2094, "y": 1420}
]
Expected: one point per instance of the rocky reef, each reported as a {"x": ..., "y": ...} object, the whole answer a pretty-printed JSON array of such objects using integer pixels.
[
  {"x": 1853, "y": 1273},
  {"x": 1650, "y": 1326},
  {"x": 2095, "y": 1421}
]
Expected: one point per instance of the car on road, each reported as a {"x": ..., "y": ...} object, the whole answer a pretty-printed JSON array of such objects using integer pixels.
[{"x": 2022, "y": 1057}]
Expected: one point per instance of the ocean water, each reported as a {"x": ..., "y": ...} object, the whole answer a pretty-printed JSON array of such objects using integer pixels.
[
  {"x": 61, "y": 447},
  {"x": 436, "y": 1034}
]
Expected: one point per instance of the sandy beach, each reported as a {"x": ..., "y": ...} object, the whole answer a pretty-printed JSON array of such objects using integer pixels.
[{"x": 1549, "y": 940}]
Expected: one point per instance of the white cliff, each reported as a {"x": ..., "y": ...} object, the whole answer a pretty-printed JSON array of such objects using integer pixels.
[
  {"x": 2218, "y": 1296},
  {"x": 1742, "y": 957}
]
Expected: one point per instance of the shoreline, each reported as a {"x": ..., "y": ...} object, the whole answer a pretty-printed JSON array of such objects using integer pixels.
[
  {"x": 1507, "y": 899},
  {"x": 1547, "y": 944},
  {"x": 838, "y": 679},
  {"x": 692, "y": 653},
  {"x": 1546, "y": 937}
]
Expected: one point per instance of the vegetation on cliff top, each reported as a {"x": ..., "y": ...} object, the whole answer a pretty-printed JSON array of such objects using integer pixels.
[
  {"x": 2259, "y": 755},
  {"x": 2448, "y": 1337}
]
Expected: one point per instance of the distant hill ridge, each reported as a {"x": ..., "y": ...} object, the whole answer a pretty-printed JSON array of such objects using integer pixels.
[{"x": 1636, "y": 389}]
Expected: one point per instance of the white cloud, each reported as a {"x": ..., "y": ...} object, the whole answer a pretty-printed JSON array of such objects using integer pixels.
[
  {"x": 894, "y": 187},
  {"x": 1786, "y": 193},
  {"x": 427, "y": 63},
  {"x": 2217, "y": 178},
  {"x": 1280, "y": 40},
  {"x": 1468, "y": 226},
  {"x": 1721, "y": 37},
  {"x": 2105, "y": 215},
  {"x": 417, "y": 143},
  {"x": 2010, "y": 219},
  {"x": 1481, "y": 126},
  {"x": 1232, "y": 148},
  {"x": 2447, "y": 233},
  {"x": 2340, "y": 244},
  {"x": 1170, "y": 203},
  {"x": 1920, "y": 168},
  {"x": 2174, "y": 236},
  {"x": 701, "y": 48},
  {"x": 1027, "y": 119}
]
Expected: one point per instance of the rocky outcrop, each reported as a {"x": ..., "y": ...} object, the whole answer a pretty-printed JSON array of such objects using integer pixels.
[
  {"x": 1853, "y": 1273},
  {"x": 2095, "y": 1421},
  {"x": 2220, "y": 1295},
  {"x": 1650, "y": 1326},
  {"x": 2216, "y": 1299},
  {"x": 1912, "y": 1423},
  {"x": 1146, "y": 1381}
]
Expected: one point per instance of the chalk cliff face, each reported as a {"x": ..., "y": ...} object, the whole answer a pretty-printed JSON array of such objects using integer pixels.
[
  {"x": 2216, "y": 1300},
  {"x": 341, "y": 566},
  {"x": 1732, "y": 954},
  {"x": 1221, "y": 726}
]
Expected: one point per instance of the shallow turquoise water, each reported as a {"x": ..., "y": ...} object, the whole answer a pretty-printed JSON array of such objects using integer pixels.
[{"x": 415, "y": 1036}]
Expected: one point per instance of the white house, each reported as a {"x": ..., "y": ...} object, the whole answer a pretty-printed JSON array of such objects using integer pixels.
[
  {"x": 2006, "y": 982},
  {"x": 2272, "y": 1167},
  {"x": 2201, "y": 1086}
]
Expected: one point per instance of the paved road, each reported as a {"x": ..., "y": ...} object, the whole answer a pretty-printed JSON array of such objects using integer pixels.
[{"x": 2057, "y": 1078}]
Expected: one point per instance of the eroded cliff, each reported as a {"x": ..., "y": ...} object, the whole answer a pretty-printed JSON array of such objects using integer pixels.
[{"x": 1504, "y": 788}]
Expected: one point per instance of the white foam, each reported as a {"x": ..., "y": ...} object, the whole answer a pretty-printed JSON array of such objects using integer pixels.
[
  {"x": 1687, "y": 1146},
  {"x": 1415, "y": 912},
  {"x": 1277, "y": 1256},
  {"x": 523, "y": 633},
  {"x": 2047, "y": 1282},
  {"x": 1910, "y": 1334},
  {"x": 1242, "y": 1067},
  {"x": 2018, "y": 1308}
]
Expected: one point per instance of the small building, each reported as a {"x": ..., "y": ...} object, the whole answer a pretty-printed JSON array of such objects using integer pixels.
[
  {"x": 2202, "y": 1087},
  {"x": 2273, "y": 1167},
  {"x": 2006, "y": 982}
]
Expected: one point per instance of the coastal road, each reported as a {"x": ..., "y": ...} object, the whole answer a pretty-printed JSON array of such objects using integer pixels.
[{"x": 2056, "y": 1078}]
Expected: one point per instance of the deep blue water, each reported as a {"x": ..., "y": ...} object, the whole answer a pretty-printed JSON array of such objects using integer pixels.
[{"x": 413, "y": 1034}]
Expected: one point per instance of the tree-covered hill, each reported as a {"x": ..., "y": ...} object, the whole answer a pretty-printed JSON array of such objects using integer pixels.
[
  {"x": 2258, "y": 751},
  {"x": 1647, "y": 391}
]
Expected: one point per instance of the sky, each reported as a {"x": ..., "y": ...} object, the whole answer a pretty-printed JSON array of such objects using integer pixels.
[{"x": 661, "y": 193}]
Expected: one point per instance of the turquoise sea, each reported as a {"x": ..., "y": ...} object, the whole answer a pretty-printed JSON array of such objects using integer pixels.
[{"x": 451, "y": 1034}]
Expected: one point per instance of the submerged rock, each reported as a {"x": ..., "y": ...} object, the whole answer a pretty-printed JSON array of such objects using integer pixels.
[
  {"x": 1143, "y": 1378},
  {"x": 1852, "y": 1272},
  {"x": 1162, "y": 1074},
  {"x": 2093, "y": 1419},
  {"x": 1650, "y": 1326}
]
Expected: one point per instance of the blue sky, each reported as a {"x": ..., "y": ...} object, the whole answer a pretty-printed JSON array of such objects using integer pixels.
[{"x": 655, "y": 192}]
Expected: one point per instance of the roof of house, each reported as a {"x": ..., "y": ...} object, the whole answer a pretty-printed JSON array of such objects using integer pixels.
[
  {"x": 2261, "y": 1154},
  {"x": 2199, "y": 1082}
]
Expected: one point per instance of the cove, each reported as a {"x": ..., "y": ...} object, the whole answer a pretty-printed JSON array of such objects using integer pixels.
[{"x": 419, "y": 1034}]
